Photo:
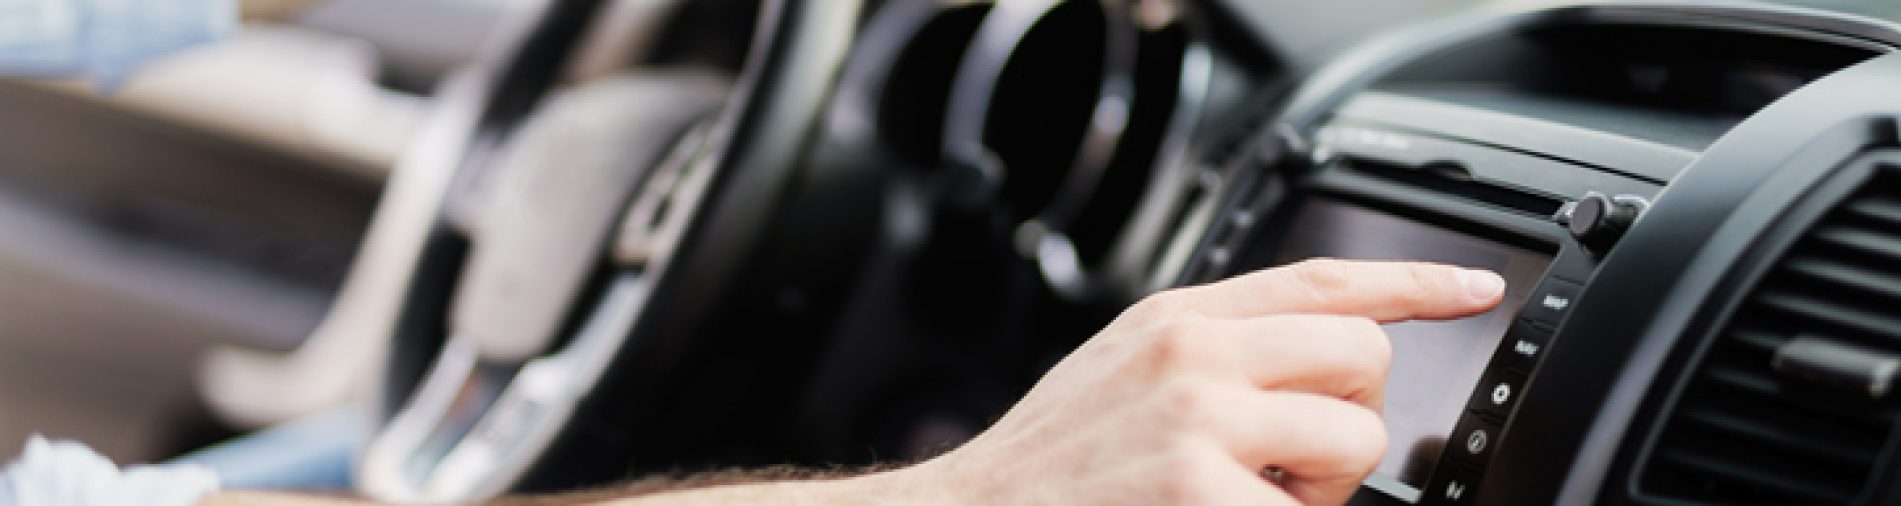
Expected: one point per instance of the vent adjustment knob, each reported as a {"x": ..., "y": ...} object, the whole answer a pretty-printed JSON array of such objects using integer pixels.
[{"x": 1598, "y": 220}]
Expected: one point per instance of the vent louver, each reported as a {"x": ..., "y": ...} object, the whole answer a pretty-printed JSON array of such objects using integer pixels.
[{"x": 1745, "y": 433}]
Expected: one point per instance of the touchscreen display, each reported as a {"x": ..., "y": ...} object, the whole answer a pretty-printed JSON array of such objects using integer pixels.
[{"x": 1435, "y": 364}]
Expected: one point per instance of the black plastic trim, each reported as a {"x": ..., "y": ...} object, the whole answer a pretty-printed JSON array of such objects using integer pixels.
[
  {"x": 1331, "y": 87},
  {"x": 1605, "y": 152},
  {"x": 1650, "y": 289}
]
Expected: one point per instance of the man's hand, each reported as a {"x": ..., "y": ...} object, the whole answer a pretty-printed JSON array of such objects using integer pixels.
[
  {"x": 1184, "y": 399},
  {"x": 1191, "y": 393}
]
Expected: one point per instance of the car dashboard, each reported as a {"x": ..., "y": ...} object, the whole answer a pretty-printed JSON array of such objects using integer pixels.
[{"x": 1693, "y": 203}]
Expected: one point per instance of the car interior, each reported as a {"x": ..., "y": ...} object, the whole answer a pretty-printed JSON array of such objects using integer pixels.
[{"x": 553, "y": 244}]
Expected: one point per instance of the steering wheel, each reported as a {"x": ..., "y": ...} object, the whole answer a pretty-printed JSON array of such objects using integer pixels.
[{"x": 562, "y": 250}]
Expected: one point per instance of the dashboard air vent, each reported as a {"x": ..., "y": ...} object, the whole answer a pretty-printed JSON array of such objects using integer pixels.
[{"x": 1750, "y": 430}]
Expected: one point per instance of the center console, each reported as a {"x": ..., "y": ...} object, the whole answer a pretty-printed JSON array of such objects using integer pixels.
[{"x": 1527, "y": 143}]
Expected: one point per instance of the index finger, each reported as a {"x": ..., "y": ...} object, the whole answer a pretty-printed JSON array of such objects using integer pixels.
[{"x": 1383, "y": 291}]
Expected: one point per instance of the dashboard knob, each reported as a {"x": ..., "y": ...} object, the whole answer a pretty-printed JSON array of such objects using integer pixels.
[{"x": 1598, "y": 220}]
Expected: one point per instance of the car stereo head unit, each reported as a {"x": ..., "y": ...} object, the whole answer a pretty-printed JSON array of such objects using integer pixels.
[
  {"x": 1436, "y": 364},
  {"x": 1453, "y": 385}
]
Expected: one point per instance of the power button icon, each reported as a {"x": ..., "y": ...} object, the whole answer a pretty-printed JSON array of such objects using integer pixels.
[{"x": 1501, "y": 394}]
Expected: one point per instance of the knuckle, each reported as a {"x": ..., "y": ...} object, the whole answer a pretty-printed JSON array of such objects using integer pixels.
[
  {"x": 1321, "y": 276},
  {"x": 1357, "y": 354},
  {"x": 1175, "y": 343},
  {"x": 1189, "y": 409},
  {"x": 1429, "y": 282},
  {"x": 1161, "y": 305},
  {"x": 1186, "y": 403},
  {"x": 1363, "y": 439},
  {"x": 1372, "y": 347},
  {"x": 1180, "y": 487},
  {"x": 1165, "y": 347}
]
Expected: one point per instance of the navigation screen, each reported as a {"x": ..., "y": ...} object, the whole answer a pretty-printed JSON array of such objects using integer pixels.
[{"x": 1435, "y": 364}]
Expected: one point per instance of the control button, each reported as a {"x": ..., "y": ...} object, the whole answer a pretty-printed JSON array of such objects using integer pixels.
[
  {"x": 1475, "y": 437},
  {"x": 1549, "y": 304},
  {"x": 1454, "y": 490},
  {"x": 1477, "y": 441},
  {"x": 1524, "y": 344},
  {"x": 1497, "y": 394},
  {"x": 1503, "y": 387},
  {"x": 1598, "y": 220},
  {"x": 1526, "y": 348},
  {"x": 1451, "y": 484}
]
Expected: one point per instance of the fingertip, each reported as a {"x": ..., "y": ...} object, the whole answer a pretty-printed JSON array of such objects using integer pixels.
[{"x": 1482, "y": 286}]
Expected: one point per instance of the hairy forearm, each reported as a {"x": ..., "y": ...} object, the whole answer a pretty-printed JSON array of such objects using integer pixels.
[
  {"x": 775, "y": 485},
  {"x": 802, "y": 488}
]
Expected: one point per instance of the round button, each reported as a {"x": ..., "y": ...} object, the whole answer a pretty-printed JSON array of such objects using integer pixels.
[
  {"x": 1587, "y": 213},
  {"x": 1476, "y": 441},
  {"x": 1598, "y": 220},
  {"x": 1501, "y": 394}
]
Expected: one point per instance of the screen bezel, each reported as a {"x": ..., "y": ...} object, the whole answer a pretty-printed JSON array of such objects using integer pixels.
[
  {"x": 1526, "y": 277},
  {"x": 1259, "y": 211}
]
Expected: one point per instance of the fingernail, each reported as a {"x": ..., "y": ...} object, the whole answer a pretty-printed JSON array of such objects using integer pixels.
[{"x": 1481, "y": 284}]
